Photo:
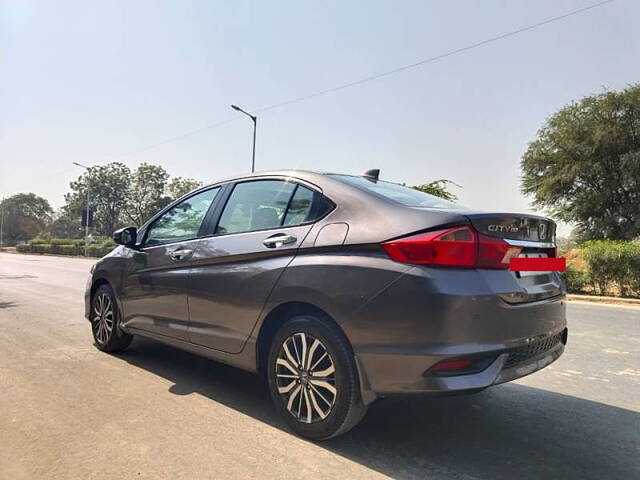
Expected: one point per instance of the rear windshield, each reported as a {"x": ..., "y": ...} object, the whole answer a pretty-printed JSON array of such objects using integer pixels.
[{"x": 398, "y": 193}]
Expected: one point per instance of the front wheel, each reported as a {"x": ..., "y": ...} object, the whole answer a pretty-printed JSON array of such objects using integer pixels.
[
  {"x": 107, "y": 334},
  {"x": 313, "y": 379}
]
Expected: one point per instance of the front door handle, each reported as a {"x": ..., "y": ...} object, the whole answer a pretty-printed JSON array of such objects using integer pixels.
[
  {"x": 278, "y": 240},
  {"x": 179, "y": 255}
]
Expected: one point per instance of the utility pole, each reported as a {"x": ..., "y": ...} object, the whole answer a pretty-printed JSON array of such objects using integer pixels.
[
  {"x": 86, "y": 220},
  {"x": 1, "y": 222},
  {"x": 255, "y": 121}
]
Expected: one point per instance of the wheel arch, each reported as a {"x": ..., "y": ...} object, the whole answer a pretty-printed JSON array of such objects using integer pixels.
[
  {"x": 277, "y": 317},
  {"x": 97, "y": 283}
]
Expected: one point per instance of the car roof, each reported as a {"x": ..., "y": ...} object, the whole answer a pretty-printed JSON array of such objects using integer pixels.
[{"x": 309, "y": 175}]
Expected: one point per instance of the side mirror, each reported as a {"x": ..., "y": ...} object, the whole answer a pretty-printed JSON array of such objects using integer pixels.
[{"x": 126, "y": 236}]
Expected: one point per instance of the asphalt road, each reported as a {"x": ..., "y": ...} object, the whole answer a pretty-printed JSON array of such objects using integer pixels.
[{"x": 70, "y": 411}]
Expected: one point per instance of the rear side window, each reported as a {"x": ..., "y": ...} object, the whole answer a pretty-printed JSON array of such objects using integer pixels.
[
  {"x": 269, "y": 204},
  {"x": 255, "y": 205},
  {"x": 398, "y": 193},
  {"x": 300, "y": 206},
  {"x": 182, "y": 222}
]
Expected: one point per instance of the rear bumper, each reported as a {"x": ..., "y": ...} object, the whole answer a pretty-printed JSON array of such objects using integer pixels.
[
  {"x": 428, "y": 316},
  {"x": 392, "y": 374}
]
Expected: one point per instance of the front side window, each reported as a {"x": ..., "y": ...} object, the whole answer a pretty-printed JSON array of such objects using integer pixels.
[
  {"x": 182, "y": 222},
  {"x": 256, "y": 205},
  {"x": 398, "y": 193}
]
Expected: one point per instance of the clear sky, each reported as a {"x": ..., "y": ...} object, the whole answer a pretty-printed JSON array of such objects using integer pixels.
[{"x": 94, "y": 81}]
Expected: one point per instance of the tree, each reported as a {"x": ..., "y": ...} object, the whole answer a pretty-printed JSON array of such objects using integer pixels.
[
  {"x": 24, "y": 215},
  {"x": 151, "y": 190},
  {"x": 146, "y": 193},
  {"x": 118, "y": 197},
  {"x": 109, "y": 192},
  {"x": 64, "y": 224},
  {"x": 584, "y": 165},
  {"x": 438, "y": 188},
  {"x": 179, "y": 186}
]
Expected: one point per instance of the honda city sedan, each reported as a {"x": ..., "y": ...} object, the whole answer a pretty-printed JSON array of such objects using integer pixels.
[{"x": 336, "y": 289}]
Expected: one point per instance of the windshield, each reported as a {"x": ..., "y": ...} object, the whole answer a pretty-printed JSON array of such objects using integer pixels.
[{"x": 398, "y": 193}]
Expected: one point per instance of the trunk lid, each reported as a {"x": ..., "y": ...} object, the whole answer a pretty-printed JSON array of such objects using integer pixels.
[{"x": 536, "y": 236}]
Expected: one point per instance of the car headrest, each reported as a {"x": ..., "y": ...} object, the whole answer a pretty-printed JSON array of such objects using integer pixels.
[{"x": 265, "y": 217}]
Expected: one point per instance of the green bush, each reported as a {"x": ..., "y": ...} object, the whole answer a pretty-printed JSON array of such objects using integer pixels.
[
  {"x": 23, "y": 248},
  {"x": 612, "y": 263},
  {"x": 64, "y": 246},
  {"x": 632, "y": 257},
  {"x": 69, "y": 250},
  {"x": 63, "y": 249},
  {"x": 576, "y": 279},
  {"x": 61, "y": 241},
  {"x": 39, "y": 241},
  {"x": 67, "y": 246},
  {"x": 108, "y": 243},
  {"x": 40, "y": 248},
  {"x": 98, "y": 250}
]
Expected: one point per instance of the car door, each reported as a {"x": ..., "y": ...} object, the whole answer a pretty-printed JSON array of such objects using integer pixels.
[
  {"x": 154, "y": 296},
  {"x": 256, "y": 234}
]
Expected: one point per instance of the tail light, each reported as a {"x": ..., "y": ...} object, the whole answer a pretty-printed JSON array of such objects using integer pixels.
[
  {"x": 495, "y": 252},
  {"x": 460, "y": 247}
]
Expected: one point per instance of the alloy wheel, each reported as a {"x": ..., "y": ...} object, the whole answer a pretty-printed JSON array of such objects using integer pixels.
[
  {"x": 305, "y": 378},
  {"x": 103, "y": 318}
]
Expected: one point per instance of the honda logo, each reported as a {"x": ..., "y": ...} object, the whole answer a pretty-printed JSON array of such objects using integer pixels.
[{"x": 542, "y": 231}]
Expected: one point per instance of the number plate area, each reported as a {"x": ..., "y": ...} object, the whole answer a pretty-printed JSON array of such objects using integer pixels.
[{"x": 532, "y": 255}]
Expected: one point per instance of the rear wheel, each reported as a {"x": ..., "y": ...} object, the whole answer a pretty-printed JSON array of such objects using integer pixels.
[
  {"x": 313, "y": 379},
  {"x": 105, "y": 316}
]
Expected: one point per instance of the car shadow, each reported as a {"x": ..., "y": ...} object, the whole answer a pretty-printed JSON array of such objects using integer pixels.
[{"x": 504, "y": 432}]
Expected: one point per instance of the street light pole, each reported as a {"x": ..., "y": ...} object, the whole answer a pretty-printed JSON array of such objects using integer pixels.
[
  {"x": 1, "y": 222},
  {"x": 86, "y": 220},
  {"x": 255, "y": 121}
]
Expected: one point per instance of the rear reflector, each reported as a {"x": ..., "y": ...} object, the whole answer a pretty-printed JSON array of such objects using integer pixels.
[
  {"x": 460, "y": 247},
  {"x": 538, "y": 264},
  {"x": 452, "y": 366}
]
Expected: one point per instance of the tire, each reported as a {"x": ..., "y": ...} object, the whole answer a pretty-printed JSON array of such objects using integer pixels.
[
  {"x": 315, "y": 411},
  {"x": 105, "y": 322}
]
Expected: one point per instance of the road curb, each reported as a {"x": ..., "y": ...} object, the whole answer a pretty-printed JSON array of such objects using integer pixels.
[
  {"x": 59, "y": 255},
  {"x": 604, "y": 300},
  {"x": 30, "y": 254}
]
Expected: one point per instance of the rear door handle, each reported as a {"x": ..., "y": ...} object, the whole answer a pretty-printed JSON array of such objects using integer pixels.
[
  {"x": 179, "y": 255},
  {"x": 278, "y": 240}
]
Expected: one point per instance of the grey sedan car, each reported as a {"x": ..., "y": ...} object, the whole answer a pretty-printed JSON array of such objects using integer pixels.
[{"x": 337, "y": 289}]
